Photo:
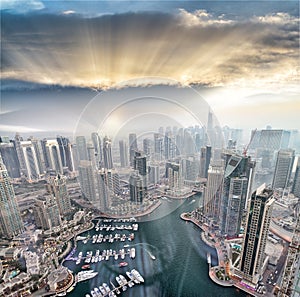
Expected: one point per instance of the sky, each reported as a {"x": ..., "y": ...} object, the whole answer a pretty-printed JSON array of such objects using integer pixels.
[{"x": 241, "y": 57}]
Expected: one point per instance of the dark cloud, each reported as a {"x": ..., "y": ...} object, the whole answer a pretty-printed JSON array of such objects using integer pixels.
[{"x": 196, "y": 46}]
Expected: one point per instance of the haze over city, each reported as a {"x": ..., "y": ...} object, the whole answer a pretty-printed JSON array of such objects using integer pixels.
[{"x": 149, "y": 148}]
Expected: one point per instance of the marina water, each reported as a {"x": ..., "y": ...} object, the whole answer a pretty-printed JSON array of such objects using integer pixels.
[{"x": 180, "y": 266}]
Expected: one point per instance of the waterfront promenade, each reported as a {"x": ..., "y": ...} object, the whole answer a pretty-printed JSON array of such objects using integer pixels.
[{"x": 218, "y": 273}]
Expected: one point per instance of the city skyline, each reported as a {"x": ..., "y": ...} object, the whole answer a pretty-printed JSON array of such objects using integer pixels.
[{"x": 242, "y": 62}]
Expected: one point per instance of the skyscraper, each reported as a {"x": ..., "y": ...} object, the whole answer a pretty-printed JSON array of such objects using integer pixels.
[
  {"x": 123, "y": 153},
  {"x": 53, "y": 156},
  {"x": 290, "y": 283},
  {"x": 158, "y": 147},
  {"x": 66, "y": 153},
  {"x": 31, "y": 169},
  {"x": 10, "y": 219},
  {"x": 132, "y": 147},
  {"x": 107, "y": 153},
  {"x": 213, "y": 192},
  {"x": 256, "y": 233},
  {"x": 174, "y": 176},
  {"x": 296, "y": 182},
  {"x": 136, "y": 187},
  {"x": 283, "y": 168},
  {"x": 81, "y": 148},
  {"x": 98, "y": 148},
  {"x": 147, "y": 147},
  {"x": 238, "y": 178},
  {"x": 205, "y": 156},
  {"x": 93, "y": 184},
  {"x": 58, "y": 187},
  {"x": 270, "y": 139},
  {"x": 10, "y": 159}
]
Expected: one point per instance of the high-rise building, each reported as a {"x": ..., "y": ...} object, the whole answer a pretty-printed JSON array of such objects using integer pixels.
[
  {"x": 140, "y": 163},
  {"x": 158, "y": 147},
  {"x": 169, "y": 145},
  {"x": 87, "y": 180},
  {"x": 153, "y": 174},
  {"x": 283, "y": 168},
  {"x": 296, "y": 182},
  {"x": 32, "y": 168},
  {"x": 256, "y": 234},
  {"x": 46, "y": 213},
  {"x": 92, "y": 156},
  {"x": 174, "y": 176},
  {"x": 123, "y": 153},
  {"x": 147, "y": 147},
  {"x": 136, "y": 187},
  {"x": 270, "y": 139},
  {"x": 190, "y": 168},
  {"x": 10, "y": 159},
  {"x": 107, "y": 153},
  {"x": 81, "y": 148},
  {"x": 66, "y": 153},
  {"x": 53, "y": 156},
  {"x": 17, "y": 144},
  {"x": 93, "y": 184},
  {"x": 39, "y": 154},
  {"x": 290, "y": 282},
  {"x": 238, "y": 178},
  {"x": 132, "y": 147},
  {"x": 213, "y": 192},
  {"x": 205, "y": 156},
  {"x": 98, "y": 149},
  {"x": 58, "y": 187},
  {"x": 10, "y": 218}
]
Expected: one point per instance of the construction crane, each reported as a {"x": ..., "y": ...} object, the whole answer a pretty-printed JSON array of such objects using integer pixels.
[{"x": 247, "y": 146}]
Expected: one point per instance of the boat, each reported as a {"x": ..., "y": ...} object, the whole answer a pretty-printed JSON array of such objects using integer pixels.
[
  {"x": 130, "y": 275},
  {"x": 123, "y": 279},
  {"x": 62, "y": 294},
  {"x": 71, "y": 289},
  {"x": 79, "y": 258},
  {"x": 119, "y": 281},
  {"x": 123, "y": 264},
  {"x": 86, "y": 266},
  {"x": 132, "y": 253},
  {"x": 85, "y": 275},
  {"x": 87, "y": 295},
  {"x": 137, "y": 275},
  {"x": 93, "y": 293},
  {"x": 106, "y": 287},
  {"x": 102, "y": 290},
  {"x": 208, "y": 258}
]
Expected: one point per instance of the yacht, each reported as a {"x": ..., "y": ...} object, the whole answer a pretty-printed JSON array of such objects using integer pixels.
[
  {"x": 131, "y": 276},
  {"x": 137, "y": 275},
  {"x": 85, "y": 275},
  {"x": 106, "y": 287}
]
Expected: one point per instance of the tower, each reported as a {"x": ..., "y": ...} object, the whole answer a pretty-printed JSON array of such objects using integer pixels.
[
  {"x": 32, "y": 170},
  {"x": 256, "y": 234},
  {"x": 123, "y": 153},
  {"x": 136, "y": 187},
  {"x": 98, "y": 148},
  {"x": 81, "y": 148},
  {"x": 238, "y": 178},
  {"x": 10, "y": 218},
  {"x": 205, "y": 156},
  {"x": 58, "y": 186},
  {"x": 107, "y": 153},
  {"x": 283, "y": 168},
  {"x": 296, "y": 183},
  {"x": 53, "y": 156},
  {"x": 132, "y": 147},
  {"x": 66, "y": 153},
  {"x": 213, "y": 192}
]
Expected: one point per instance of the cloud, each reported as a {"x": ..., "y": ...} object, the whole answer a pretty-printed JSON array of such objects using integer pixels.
[
  {"x": 201, "y": 17},
  {"x": 196, "y": 47},
  {"x": 21, "y": 6}
]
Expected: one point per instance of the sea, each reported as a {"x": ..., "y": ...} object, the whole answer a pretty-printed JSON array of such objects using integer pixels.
[{"x": 180, "y": 266}]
